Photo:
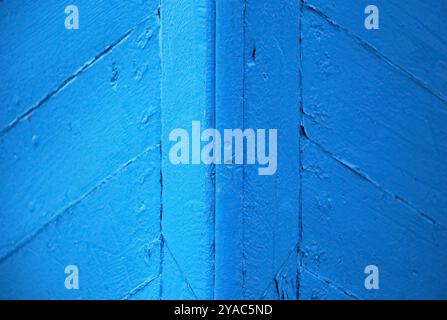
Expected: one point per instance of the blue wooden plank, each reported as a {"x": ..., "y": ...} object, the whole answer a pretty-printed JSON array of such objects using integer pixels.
[
  {"x": 38, "y": 54},
  {"x": 111, "y": 236},
  {"x": 229, "y": 178},
  {"x": 187, "y": 52},
  {"x": 55, "y": 164},
  {"x": 349, "y": 224},
  {"x": 374, "y": 118},
  {"x": 271, "y": 101},
  {"x": 411, "y": 35},
  {"x": 81, "y": 135}
]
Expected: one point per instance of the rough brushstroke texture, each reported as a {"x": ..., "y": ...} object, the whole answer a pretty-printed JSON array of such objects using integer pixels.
[
  {"x": 411, "y": 35},
  {"x": 84, "y": 139},
  {"x": 79, "y": 172},
  {"x": 114, "y": 260},
  {"x": 187, "y": 52},
  {"x": 39, "y": 54},
  {"x": 404, "y": 137},
  {"x": 375, "y": 143},
  {"x": 271, "y": 100}
]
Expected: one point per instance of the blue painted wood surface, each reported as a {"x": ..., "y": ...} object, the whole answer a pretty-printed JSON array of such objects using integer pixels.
[{"x": 85, "y": 118}]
